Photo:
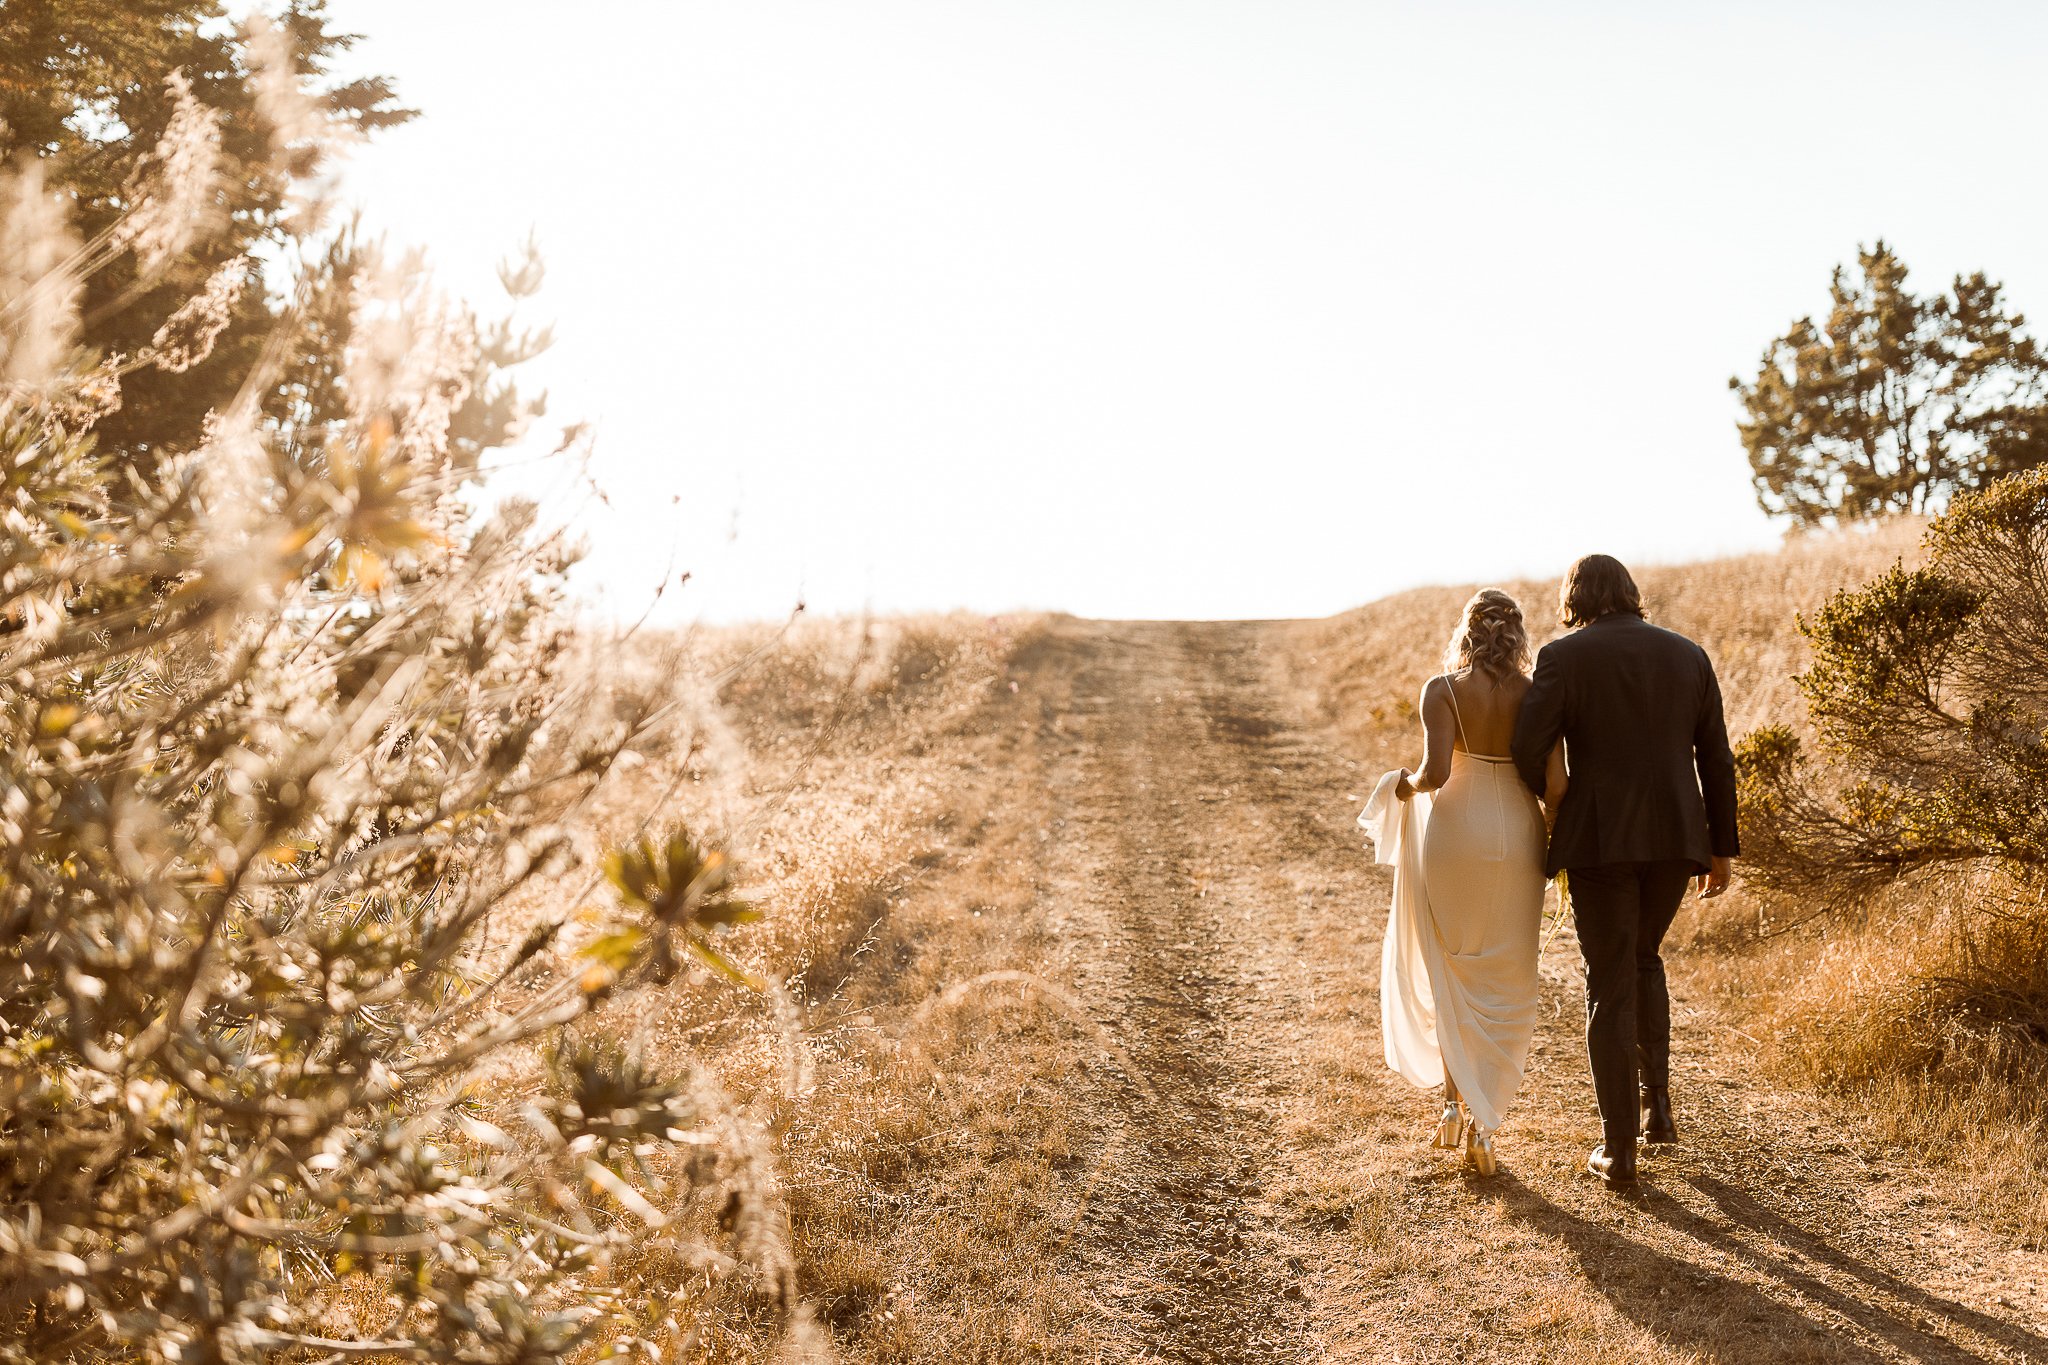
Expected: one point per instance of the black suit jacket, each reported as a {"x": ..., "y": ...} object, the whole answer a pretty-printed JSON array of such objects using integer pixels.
[{"x": 1645, "y": 744}]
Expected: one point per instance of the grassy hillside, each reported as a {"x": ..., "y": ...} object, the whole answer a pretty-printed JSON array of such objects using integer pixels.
[{"x": 1370, "y": 663}]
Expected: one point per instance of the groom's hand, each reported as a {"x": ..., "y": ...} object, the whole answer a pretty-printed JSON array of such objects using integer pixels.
[{"x": 1715, "y": 880}]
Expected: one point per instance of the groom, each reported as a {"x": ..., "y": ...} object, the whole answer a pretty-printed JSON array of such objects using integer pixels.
[{"x": 1649, "y": 805}]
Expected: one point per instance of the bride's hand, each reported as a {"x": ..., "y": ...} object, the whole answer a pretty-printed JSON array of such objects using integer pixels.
[{"x": 1404, "y": 789}]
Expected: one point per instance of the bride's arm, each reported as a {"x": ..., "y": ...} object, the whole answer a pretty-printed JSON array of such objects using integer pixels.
[{"x": 1438, "y": 727}]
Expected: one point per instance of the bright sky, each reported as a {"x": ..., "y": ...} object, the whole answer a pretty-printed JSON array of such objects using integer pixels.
[{"x": 1198, "y": 308}]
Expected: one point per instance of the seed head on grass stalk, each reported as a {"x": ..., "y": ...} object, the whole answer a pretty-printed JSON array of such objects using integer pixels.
[{"x": 278, "y": 724}]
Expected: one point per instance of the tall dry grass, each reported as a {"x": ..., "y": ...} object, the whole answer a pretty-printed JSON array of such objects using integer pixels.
[
  {"x": 1904, "y": 1012},
  {"x": 924, "y": 1141}
]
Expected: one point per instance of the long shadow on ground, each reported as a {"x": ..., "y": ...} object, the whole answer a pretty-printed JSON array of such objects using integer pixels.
[
  {"x": 1691, "y": 1307},
  {"x": 1919, "y": 1307}
]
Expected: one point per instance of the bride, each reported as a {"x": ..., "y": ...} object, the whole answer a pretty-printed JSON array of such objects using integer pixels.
[{"x": 1466, "y": 838}]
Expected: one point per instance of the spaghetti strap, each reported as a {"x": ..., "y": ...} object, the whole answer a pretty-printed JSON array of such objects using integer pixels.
[{"x": 1456, "y": 715}]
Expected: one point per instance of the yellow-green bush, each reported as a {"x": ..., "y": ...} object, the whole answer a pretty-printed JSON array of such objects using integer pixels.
[{"x": 282, "y": 723}]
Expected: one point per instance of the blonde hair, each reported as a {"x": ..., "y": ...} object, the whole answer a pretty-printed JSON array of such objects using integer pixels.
[{"x": 1490, "y": 637}]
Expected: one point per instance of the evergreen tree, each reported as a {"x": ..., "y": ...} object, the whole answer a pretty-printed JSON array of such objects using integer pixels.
[
  {"x": 1896, "y": 402},
  {"x": 86, "y": 88}
]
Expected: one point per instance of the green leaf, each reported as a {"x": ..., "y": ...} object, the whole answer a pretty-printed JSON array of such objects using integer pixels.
[
  {"x": 616, "y": 949},
  {"x": 723, "y": 965},
  {"x": 728, "y": 912}
]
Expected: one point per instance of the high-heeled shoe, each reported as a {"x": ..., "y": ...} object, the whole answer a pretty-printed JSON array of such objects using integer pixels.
[
  {"x": 1450, "y": 1128},
  {"x": 1479, "y": 1149}
]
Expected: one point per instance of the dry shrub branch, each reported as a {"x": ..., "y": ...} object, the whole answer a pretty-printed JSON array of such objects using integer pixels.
[
  {"x": 282, "y": 722},
  {"x": 1928, "y": 691}
]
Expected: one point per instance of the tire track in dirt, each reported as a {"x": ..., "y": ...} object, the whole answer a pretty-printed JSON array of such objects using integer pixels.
[{"x": 1177, "y": 1241}]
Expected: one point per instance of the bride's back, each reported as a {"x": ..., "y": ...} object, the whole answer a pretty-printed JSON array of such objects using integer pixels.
[{"x": 1486, "y": 709}]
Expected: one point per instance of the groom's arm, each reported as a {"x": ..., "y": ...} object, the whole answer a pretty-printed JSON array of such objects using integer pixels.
[
  {"x": 1540, "y": 721},
  {"x": 1716, "y": 765}
]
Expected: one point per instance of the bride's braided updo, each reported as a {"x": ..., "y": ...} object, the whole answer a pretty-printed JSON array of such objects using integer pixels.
[{"x": 1490, "y": 637}]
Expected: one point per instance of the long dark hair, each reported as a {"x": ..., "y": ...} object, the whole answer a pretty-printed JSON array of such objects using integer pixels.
[{"x": 1597, "y": 586}]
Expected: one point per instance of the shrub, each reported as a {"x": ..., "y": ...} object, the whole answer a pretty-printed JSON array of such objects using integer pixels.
[
  {"x": 1928, "y": 690},
  {"x": 281, "y": 731}
]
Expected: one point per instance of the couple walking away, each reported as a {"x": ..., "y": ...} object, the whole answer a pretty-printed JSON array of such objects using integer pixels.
[{"x": 1610, "y": 766}]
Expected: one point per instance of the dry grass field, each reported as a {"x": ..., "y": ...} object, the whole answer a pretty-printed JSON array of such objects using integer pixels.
[{"x": 1079, "y": 1056}]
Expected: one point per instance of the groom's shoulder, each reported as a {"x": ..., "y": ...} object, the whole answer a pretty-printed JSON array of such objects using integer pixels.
[
  {"x": 1569, "y": 645},
  {"x": 1665, "y": 633},
  {"x": 1674, "y": 641},
  {"x": 1632, "y": 634},
  {"x": 1675, "y": 647}
]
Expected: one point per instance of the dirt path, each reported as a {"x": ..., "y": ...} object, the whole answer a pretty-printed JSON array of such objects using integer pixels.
[{"x": 1269, "y": 1196}]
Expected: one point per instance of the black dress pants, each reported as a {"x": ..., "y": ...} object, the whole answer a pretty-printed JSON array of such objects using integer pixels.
[{"x": 1621, "y": 911}]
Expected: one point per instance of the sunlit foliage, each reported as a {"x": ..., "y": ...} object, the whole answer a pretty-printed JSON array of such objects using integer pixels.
[
  {"x": 1929, "y": 692},
  {"x": 284, "y": 725}
]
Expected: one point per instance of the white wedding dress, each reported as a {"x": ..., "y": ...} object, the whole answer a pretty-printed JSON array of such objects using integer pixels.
[{"x": 1458, "y": 968}]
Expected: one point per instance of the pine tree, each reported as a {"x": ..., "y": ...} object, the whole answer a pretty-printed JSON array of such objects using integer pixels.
[
  {"x": 1896, "y": 402},
  {"x": 85, "y": 89}
]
